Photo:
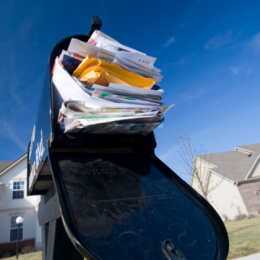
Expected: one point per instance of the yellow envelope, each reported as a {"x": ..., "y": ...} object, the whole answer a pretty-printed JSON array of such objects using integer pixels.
[{"x": 94, "y": 71}]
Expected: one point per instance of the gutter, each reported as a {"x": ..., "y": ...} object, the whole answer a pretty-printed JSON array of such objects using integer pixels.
[{"x": 246, "y": 181}]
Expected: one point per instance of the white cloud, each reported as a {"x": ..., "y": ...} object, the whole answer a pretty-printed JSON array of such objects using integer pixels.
[
  {"x": 170, "y": 41},
  {"x": 8, "y": 132},
  {"x": 202, "y": 132},
  {"x": 188, "y": 96},
  {"x": 249, "y": 71},
  {"x": 168, "y": 154},
  {"x": 235, "y": 71},
  {"x": 186, "y": 60},
  {"x": 219, "y": 40},
  {"x": 255, "y": 42},
  {"x": 243, "y": 69},
  {"x": 13, "y": 85}
]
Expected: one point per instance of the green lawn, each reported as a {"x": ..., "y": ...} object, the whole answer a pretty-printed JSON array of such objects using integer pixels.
[{"x": 244, "y": 239}]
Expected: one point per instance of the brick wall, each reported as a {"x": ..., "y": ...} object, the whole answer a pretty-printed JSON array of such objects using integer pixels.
[
  {"x": 250, "y": 193},
  {"x": 30, "y": 243}
]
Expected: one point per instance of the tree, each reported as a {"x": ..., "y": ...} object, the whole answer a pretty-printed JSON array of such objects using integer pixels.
[{"x": 197, "y": 165}]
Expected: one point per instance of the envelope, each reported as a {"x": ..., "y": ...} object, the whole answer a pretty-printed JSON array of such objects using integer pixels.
[{"x": 95, "y": 71}]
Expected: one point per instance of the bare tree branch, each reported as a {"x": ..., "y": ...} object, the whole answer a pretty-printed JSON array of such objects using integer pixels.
[{"x": 200, "y": 172}]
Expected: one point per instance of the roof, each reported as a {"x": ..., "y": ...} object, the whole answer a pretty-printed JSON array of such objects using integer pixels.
[
  {"x": 5, "y": 164},
  {"x": 234, "y": 165}
]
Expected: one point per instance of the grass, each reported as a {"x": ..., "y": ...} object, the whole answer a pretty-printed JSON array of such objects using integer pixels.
[
  {"x": 244, "y": 239},
  {"x": 30, "y": 256}
]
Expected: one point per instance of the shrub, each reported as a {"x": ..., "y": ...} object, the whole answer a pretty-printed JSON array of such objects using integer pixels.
[
  {"x": 7, "y": 253},
  {"x": 240, "y": 216},
  {"x": 27, "y": 249}
]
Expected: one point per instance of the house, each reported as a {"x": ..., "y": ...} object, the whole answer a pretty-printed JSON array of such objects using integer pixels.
[
  {"x": 14, "y": 202},
  {"x": 230, "y": 180}
]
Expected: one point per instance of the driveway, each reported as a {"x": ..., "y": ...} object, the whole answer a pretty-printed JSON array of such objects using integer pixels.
[{"x": 250, "y": 257}]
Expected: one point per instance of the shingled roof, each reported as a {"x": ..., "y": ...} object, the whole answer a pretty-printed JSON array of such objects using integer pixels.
[
  {"x": 234, "y": 165},
  {"x": 5, "y": 164}
]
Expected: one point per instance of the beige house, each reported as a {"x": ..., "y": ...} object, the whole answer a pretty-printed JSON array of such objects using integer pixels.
[
  {"x": 230, "y": 180},
  {"x": 14, "y": 202}
]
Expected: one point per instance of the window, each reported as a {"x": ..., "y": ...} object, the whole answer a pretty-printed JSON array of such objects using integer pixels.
[
  {"x": 14, "y": 229},
  {"x": 18, "y": 190}
]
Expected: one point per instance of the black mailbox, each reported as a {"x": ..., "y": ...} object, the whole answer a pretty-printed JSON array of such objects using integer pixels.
[{"x": 109, "y": 196}]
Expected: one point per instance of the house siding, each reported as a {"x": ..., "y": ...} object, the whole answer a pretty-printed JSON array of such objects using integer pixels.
[
  {"x": 224, "y": 196},
  {"x": 16, "y": 173},
  {"x": 203, "y": 175},
  {"x": 28, "y": 228},
  {"x": 26, "y": 206},
  {"x": 250, "y": 193}
]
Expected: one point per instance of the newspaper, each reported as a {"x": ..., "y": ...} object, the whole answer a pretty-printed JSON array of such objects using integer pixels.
[
  {"x": 76, "y": 114},
  {"x": 114, "y": 128},
  {"x": 129, "y": 99}
]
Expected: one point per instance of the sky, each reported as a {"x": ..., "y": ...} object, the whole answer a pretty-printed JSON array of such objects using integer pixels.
[{"x": 208, "y": 51}]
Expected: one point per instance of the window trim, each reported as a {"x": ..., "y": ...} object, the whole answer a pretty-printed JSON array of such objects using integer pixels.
[
  {"x": 10, "y": 228},
  {"x": 18, "y": 190}
]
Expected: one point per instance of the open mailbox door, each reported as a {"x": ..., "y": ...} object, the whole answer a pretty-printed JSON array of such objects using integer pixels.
[{"x": 110, "y": 197}]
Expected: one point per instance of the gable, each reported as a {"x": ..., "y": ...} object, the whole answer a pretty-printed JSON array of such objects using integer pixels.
[
  {"x": 256, "y": 170},
  {"x": 9, "y": 165}
]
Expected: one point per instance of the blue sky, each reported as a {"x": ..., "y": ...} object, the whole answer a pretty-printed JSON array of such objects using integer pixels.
[{"x": 209, "y": 53}]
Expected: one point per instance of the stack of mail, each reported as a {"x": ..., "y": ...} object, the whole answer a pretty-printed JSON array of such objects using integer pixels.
[{"x": 105, "y": 87}]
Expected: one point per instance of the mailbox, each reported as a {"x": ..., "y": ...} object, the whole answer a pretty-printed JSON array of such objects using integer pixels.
[{"x": 109, "y": 196}]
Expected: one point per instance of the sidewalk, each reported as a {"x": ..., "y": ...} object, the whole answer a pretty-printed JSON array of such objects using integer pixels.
[{"x": 250, "y": 257}]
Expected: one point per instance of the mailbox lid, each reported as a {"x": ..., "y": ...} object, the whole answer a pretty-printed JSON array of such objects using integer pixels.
[{"x": 127, "y": 206}]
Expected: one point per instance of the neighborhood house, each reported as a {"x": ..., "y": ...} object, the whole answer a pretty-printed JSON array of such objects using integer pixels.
[
  {"x": 13, "y": 203},
  {"x": 233, "y": 178}
]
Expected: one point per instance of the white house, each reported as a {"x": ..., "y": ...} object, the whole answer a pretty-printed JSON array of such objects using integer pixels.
[
  {"x": 14, "y": 202},
  {"x": 233, "y": 178}
]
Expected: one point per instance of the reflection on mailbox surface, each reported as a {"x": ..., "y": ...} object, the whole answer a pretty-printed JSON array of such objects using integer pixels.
[{"x": 125, "y": 201}]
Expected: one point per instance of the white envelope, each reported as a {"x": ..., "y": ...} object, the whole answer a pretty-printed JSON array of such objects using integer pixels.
[
  {"x": 136, "y": 90},
  {"x": 83, "y": 49}
]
